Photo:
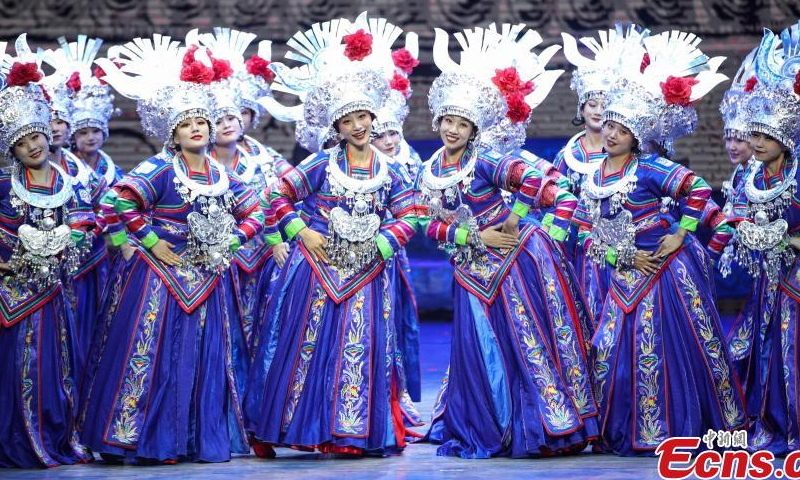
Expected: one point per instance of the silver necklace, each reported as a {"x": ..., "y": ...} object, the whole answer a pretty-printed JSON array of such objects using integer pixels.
[
  {"x": 785, "y": 190},
  {"x": 432, "y": 182},
  {"x": 84, "y": 173},
  {"x": 350, "y": 243},
  {"x": 593, "y": 193},
  {"x": 249, "y": 164},
  {"x": 583, "y": 168},
  {"x": 355, "y": 186},
  {"x": 111, "y": 169},
  {"x": 192, "y": 189},
  {"x": 40, "y": 200},
  {"x": 263, "y": 159}
]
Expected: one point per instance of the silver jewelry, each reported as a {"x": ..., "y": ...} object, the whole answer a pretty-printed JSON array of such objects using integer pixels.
[
  {"x": 350, "y": 243},
  {"x": 439, "y": 192},
  {"x": 45, "y": 247},
  {"x": 764, "y": 242},
  {"x": 187, "y": 186},
  {"x": 111, "y": 169},
  {"x": 582, "y": 168},
  {"x": 40, "y": 200},
  {"x": 619, "y": 231},
  {"x": 618, "y": 191},
  {"x": 210, "y": 228},
  {"x": 84, "y": 173}
]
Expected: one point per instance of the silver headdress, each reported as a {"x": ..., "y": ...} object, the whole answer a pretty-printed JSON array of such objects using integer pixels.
[
  {"x": 23, "y": 106},
  {"x": 592, "y": 78},
  {"x": 242, "y": 89},
  {"x": 392, "y": 115},
  {"x": 656, "y": 104},
  {"x": 346, "y": 67},
  {"x": 251, "y": 77},
  {"x": 496, "y": 68},
  {"x": 395, "y": 109},
  {"x": 505, "y": 137},
  {"x": 89, "y": 101},
  {"x": 168, "y": 85},
  {"x": 733, "y": 105},
  {"x": 774, "y": 106}
]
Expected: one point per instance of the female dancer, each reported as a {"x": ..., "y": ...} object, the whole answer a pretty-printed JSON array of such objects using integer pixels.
[
  {"x": 767, "y": 241},
  {"x": 254, "y": 264},
  {"x": 171, "y": 392},
  {"x": 44, "y": 217},
  {"x": 659, "y": 325},
  {"x": 583, "y": 153},
  {"x": 332, "y": 384},
  {"x": 388, "y": 138},
  {"x": 518, "y": 382},
  {"x": 89, "y": 105}
]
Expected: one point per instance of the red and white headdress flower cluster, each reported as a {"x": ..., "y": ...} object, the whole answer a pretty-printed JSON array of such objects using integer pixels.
[
  {"x": 773, "y": 106},
  {"x": 169, "y": 81},
  {"x": 75, "y": 85},
  {"x": 656, "y": 102},
  {"x": 23, "y": 103},
  {"x": 498, "y": 76},
  {"x": 345, "y": 66},
  {"x": 250, "y": 76}
]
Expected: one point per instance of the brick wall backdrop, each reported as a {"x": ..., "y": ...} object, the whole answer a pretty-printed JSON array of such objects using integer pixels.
[{"x": 728, "y": 27}]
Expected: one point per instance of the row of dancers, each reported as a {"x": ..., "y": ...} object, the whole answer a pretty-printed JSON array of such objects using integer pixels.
[{"x": 216, "y": 299}]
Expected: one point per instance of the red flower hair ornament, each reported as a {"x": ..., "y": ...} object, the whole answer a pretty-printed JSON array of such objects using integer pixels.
[
  {"x": 194, "y": 70},
  {"x": 74, "y": 82},
  {"x": 259, "y": 67},
  {"x": 750, "y": 84},
  {"x": 400, "y": 83},
  {"x": 358, "y": 45},
  {"x": 678, "y": 90},
  {"x": 403, "y": 60},
  {"x": 21, "y": 74},
  {"x": 514, "y": 90}
]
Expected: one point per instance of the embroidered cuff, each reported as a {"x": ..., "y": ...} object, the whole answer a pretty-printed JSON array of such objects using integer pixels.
[
  {"x": 274, "y": 238},
  {"x": 461, "y": 236},
  {"x": 558, "y": 233},
  {"x": 611, "y": 256},
  {"x": 548, "y": 220},
  {"x": 520, "y": 209},
  {"x": 150, "y": 240},
  {"x": 234, "y": 243},
  {"x": 118, "y": 238},
  {"x": 294, "y": 227},
  {"x": 689, "y": 223},
  {"x": 385, "y": 248}
]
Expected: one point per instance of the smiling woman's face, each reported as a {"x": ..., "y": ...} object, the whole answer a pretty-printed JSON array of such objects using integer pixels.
[
  {"x": 31, "y": 150},
  {"x": 765, "y": 148},
  {"x": 617, "y": 139},
  {"x": 355, "y": 128},
  {"x": 455, "y": 132},
  {"x": 229, "y": 130}
]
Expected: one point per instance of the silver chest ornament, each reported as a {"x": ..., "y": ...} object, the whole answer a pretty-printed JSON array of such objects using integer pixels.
[
  {"x": 350, "y": 243},
  {"x": 45, "y": 248},
  {"x": 211, "y": 227},
  {"x": 763, "y": 243},
  {"x": 441, "y": 192},
  {"x": 617, "y": 231}
]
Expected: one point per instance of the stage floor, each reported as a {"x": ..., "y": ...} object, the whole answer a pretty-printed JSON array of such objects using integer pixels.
[{"x": 419, "y": 461}]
